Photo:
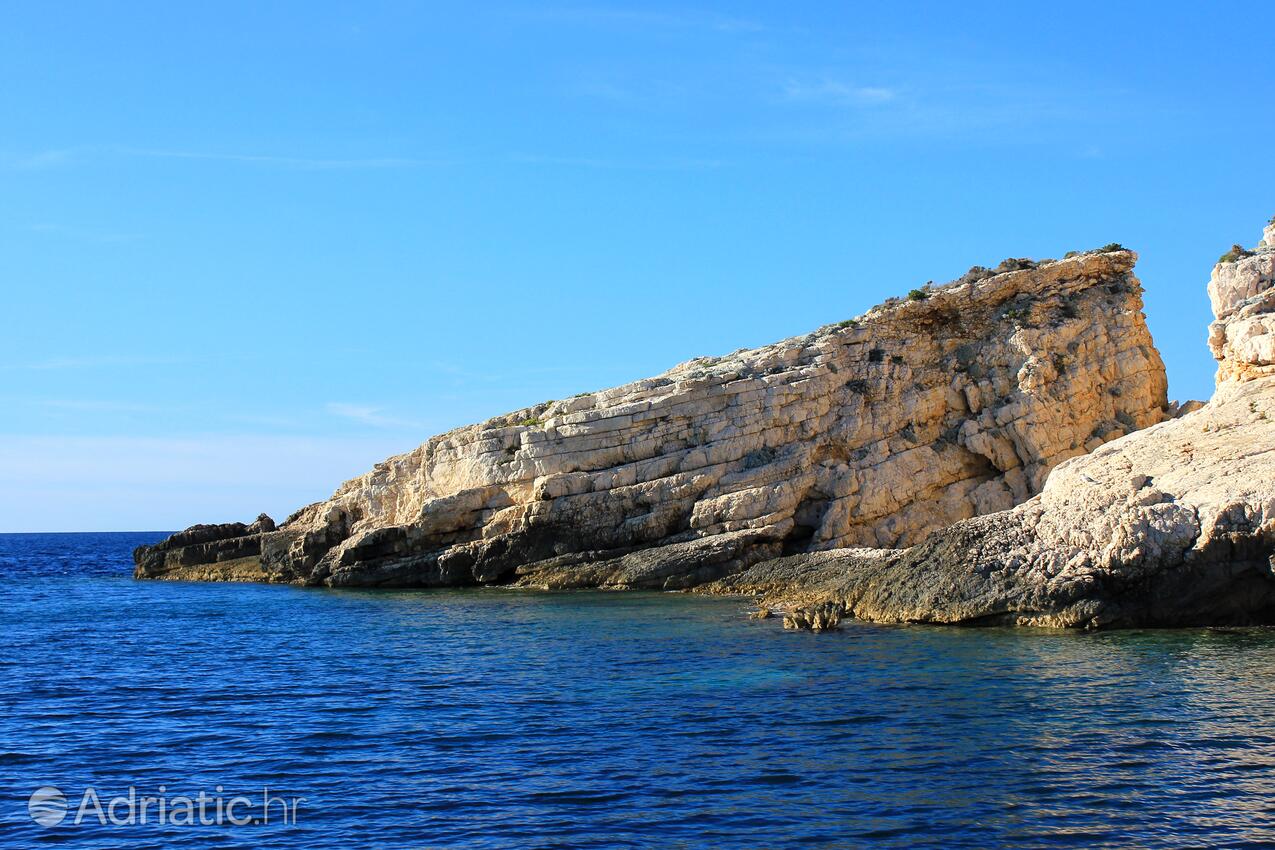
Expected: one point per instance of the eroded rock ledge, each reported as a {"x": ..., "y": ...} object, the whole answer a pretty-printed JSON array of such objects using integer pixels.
[
  {"x": 1171, "y": 526},
  {"x": 954, "y": 403}
]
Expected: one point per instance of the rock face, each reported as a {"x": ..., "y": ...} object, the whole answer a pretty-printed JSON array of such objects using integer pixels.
[
  {"x": 1242, "y": 336},
  {"x": 953, "y": 403},
  {"x": 1173, "y": 525}
]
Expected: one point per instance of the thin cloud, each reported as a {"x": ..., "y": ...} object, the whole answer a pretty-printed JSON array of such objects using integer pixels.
[
  {"x": 299, "y": 162},
  {"x": 54, "y": 158},
  {"x": 83, "y": 483},
  {"x": 288, "y": 422},
  {"x": 92, "y": 362},
  {"x": 367, "y": 415},
  {"x": 86, "y": 235},
  {"x": 357, "y": 163},
  {"x": 40, "y": 160},
  {"x": 828, "y": 90},
  {"x": 634, "y": 18},
  {"x": 99, "y": 406},
  {"x": 654, "y": 164}
]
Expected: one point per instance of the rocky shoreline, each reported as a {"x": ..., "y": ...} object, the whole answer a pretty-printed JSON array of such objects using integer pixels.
[{"x": 997, "y": 450}]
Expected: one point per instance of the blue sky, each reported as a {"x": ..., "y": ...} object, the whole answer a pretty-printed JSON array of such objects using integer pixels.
[{"x": 247, "y": 250}]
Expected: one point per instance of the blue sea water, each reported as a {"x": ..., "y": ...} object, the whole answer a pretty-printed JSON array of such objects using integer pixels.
[{"x": 497, "y": 718}]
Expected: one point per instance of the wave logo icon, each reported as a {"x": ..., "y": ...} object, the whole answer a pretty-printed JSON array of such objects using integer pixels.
[{"x": 47, "y": 806}]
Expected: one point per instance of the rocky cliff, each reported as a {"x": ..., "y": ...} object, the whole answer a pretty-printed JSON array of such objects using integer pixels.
[
  {"x": 952, "y": 403},
  {"x": 1173, "y": 525}
]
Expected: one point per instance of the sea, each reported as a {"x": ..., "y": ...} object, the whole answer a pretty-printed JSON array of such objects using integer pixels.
[{"x": 138, "y": 714}]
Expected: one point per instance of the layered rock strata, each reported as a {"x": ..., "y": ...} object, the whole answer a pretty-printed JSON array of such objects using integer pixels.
[
  {"x": 954, "y": 403},
  {"x": 1170, "y": 526}
]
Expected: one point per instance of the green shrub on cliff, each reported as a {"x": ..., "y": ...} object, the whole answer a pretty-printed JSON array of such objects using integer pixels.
[
  {"x": 975, "y": 274},
  {"x": 1015, "y": 264},
  {"x": 1109, "y": 248},
  {"x": 1237, "y": 252},
  {"x": 917, "y": 295}
]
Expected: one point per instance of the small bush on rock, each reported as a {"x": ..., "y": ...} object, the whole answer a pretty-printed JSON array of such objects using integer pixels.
[
  {"x": 1014, "y": 264},
  {"x": 976, "y": 273},
  {"x": 1237, "y": 252}
]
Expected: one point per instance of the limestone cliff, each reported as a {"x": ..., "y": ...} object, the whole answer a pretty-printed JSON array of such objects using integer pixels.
[
  {"x": 1173, "y": 525},
  {"x": 1242, "y": 336},
  {"x": 955, "y": 402}
]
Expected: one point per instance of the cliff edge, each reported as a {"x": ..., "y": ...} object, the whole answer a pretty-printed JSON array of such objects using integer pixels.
[
  {"x": 1170, "y": 526},
  {"x": 953, "y": 403}
]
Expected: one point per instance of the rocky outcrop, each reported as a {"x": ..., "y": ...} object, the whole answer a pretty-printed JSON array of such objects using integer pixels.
[
  {"x": 227, "y": 552},
  {"x": 1242, "y": 336},
  {"x": 953, "y": 403},
  {"x": 1173, "y": 525}
]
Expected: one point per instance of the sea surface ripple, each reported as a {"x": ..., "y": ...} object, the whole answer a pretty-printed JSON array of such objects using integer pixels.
[{"x": 495, "y": 718}]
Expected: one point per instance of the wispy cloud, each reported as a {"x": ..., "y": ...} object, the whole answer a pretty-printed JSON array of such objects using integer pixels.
[
  {"x": 82, "y": 234},
  {"x": 53, "y": 158},
  {"x": 834, "y": 91},
  {"x": 359, "y": 163},
  {"x": 39, "y": 160},
  {"x": 685, "y": 19},
  {"x": 299, "y": 162},
  {"x": 652, "y": 164},
  {"x": 97, "y": 361},
  {"x": 285, "y": 422},
  {"x": 627, "y": 89},
  {"x": 98, "y": 406},
  {"x": 80, "y": 483},
  {"x": 367, "y": 415}
]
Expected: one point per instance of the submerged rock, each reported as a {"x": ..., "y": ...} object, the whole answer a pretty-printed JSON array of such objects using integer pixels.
[{"x": 815, "y": 618}]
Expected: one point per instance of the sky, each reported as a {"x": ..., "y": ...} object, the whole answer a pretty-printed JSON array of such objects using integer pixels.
[{"x": 249, "y": 249}]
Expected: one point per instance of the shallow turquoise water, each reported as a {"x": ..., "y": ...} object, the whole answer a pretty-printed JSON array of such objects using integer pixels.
[{"x": 505, "y": 719}]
